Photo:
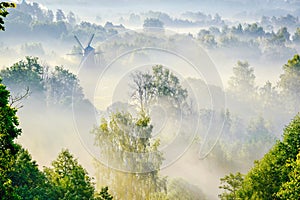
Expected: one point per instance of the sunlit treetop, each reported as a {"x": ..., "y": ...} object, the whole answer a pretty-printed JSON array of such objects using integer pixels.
[
  {"x": 4, "y": 12},
  {"x": 295, "y": 62}
]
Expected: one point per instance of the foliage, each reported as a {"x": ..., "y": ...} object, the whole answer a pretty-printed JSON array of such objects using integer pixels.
[
  {"x": 27, "y": 180},
  {"x": 160, "y": 85},
  {"x": 242, "y": 81},
  {"x": 128, "y": 145},
  {"x": 63, "y": 88},
  {"x": 56, "y": 87},
  {"x": 289, "y": 81},
  {"x": 20, "y": 177},
  {"x": 9, "y": 131},
  {"x": 179, "y": 189},
  {"x": 296, "y": 36},
  {"x": 69, "y": 179},
  {"x": 291, "y": 188},
  {"x": 281, "y": 37},
  {"x": 270, "y": 174},
  {"x": 4, "y": 12},
  {"x": 33, "y": 48},
  {"x": 104, "y": 195},
  {"x": 153, "y": 23},
  {"x": 231, "y": 184},
  {"x": 24, "y": 74}
]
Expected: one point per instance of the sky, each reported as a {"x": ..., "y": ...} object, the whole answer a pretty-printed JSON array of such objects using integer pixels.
[{"x": 227, "y": 8}]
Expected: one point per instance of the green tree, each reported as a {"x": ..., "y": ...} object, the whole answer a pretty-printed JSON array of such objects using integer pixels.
[
  {"x": 254, "y": 30},
  {"x": 4, "y": 12},
  {"x": 104, "y": 194},
  {"x": 291, "y": 188},
  {"x": 159, "y": 86},
  {"x": 231, "y": 184},
  {"x": 63, "y": 88},
  {"x": 282, "y": 35},
  {"x": 27, "y": 180},
  {"x": 9, "y": 131},
  {"x": 290, "y": 82},
  {"x": 69, "y": 179},
  {"x": 268, "y": 175},
  {"x": 132, "y": 154},
  {"x": 24, "y": 74}
]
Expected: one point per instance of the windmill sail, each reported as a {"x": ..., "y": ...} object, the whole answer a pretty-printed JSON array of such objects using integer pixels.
[
  {"x": 78, "y": 42},
  {"x": 91, "y": 40}
]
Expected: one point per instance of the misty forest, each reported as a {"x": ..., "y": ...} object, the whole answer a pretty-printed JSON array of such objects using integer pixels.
[{"x": 154, "y": 100}]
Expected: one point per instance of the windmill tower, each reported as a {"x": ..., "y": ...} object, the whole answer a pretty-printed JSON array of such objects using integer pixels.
[
  {"x": 89, "y": 67},
  {"x": 88, "y": 53}
]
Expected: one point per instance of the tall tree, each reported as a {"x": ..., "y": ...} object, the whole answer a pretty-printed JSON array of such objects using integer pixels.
[
  {"x": 268, "y": 175},
  {"x": 26, "y": 73},
  {"x": 290, "y": 82},
  {"x": 130, "y": 156},
  {"x": 291, "y": 188},
  {"x": 27, "y": 180},
  {"x": 242, "y": 84},
  {"x": 63, "y": 87},
  {"x": 69, "y": 179},
  {"x": 9, "y": 131},
  {"x": 161, "y": 84},
  {"x": 231, "y": 184}
]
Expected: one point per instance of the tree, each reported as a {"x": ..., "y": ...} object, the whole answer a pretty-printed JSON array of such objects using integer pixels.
[
  {"x": 281, "y": 37},
  {"x": 9, "y": 131},
  {"x": 160, "y": 85},
  {"x": 4, "y": 12},
  {"x": 130, "y": 160},
  {"x": 63, "y": 88},
  {"x": 254, "y": 30},
  {"x": 179, "y": 189},
  {"x": 71, "y": 18},
  {"x": 60, "y": 16},
  {"x": 231, "y": 184},
  {"x": 27, "y": 180},
  {"x": 143, "y": 88},
  {"x": 104, "y": 195},
  {"x": 296, "y": 36},
  {"x": 153, "y": 23},
  {"x": 206, "y": 38},
  {"x": 268, "y": 95},
  {"x": 290, "y": 81},
  {"x": 270, "y": 174},
  {"x": 291, "y": 188},
  {"x": 24, "y": 74},
  {"x": 57, "y": 87},
  {"x": 241, "y": 84},
  {"x": 69, "y": 179}
]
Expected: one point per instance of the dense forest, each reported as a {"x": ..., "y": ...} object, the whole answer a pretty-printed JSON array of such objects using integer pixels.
[{"x": 151, "y": 113}]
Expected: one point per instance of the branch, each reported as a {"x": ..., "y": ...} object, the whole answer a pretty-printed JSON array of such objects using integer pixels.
[{"x": 15, "y": 101}]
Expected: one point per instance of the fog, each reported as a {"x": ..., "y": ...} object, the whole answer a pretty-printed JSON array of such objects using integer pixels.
[{"x": 229, "y": 117}]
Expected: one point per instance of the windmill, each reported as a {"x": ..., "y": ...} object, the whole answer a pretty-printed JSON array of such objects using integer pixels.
[
  {"x": 88, "y": 53},
  {"x": 90, "y": 67}
]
